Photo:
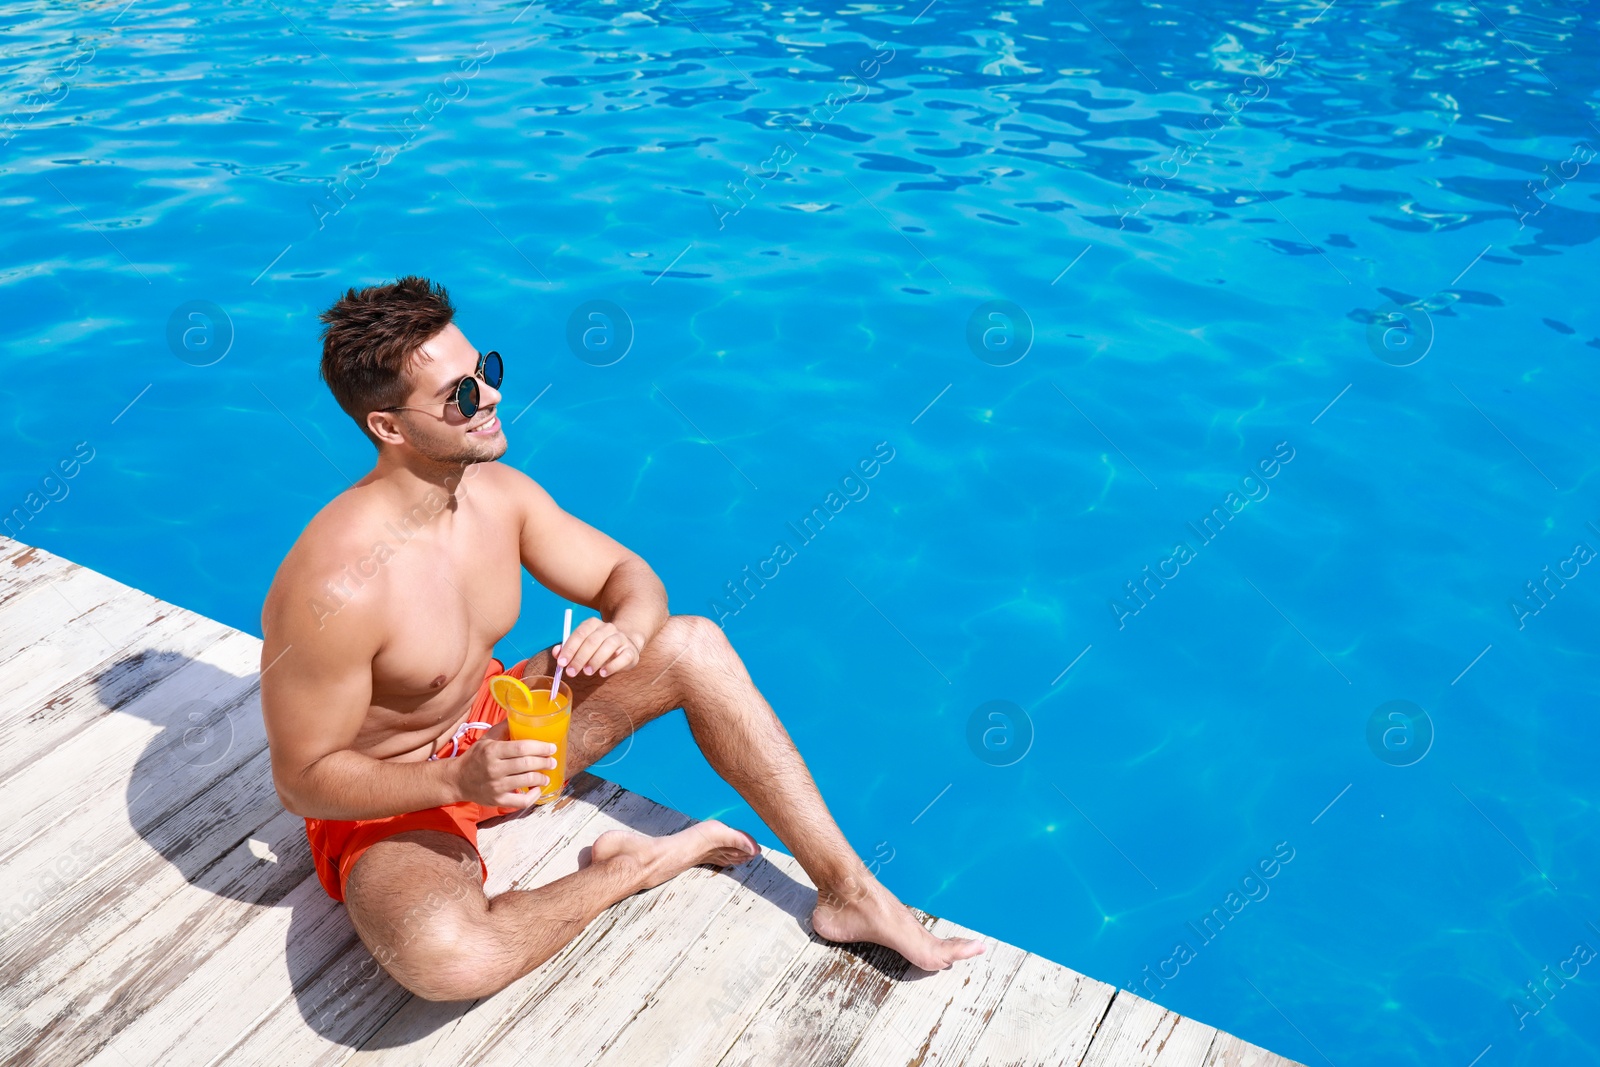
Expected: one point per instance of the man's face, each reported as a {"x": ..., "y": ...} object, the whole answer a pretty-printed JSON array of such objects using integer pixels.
[{"x": 436, "y": 428}]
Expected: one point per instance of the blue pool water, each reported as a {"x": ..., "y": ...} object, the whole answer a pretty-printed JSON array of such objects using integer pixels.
[{"x": 1350, "y": 247}]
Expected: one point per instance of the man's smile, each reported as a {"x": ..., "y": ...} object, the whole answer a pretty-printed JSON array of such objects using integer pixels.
[{"x": 487, "y": 428}]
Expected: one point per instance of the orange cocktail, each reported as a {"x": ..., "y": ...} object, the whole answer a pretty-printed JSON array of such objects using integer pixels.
[{"x": 532, "y": 715}]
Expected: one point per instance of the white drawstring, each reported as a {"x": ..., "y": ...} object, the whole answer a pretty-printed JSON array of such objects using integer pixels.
[{"x": 456, "y": 740}]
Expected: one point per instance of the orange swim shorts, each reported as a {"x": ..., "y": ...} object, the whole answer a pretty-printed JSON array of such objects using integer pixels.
[{"x": 337, "y": 844}]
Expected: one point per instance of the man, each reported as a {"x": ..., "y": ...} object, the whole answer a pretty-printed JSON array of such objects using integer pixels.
[{"x": 385, "y": 615}]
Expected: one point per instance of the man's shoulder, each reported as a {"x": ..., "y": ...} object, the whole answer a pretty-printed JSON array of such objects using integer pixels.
[
  {"x": 506, "y": 486},
  {"x": 496, "y": 473},
  {"x": 336, "y": 540},
  {"x": 341, "y": 525}
]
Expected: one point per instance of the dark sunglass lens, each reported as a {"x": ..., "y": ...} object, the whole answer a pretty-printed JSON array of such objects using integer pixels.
[
  {"x": 467, "y": 397},
  {"x": 493, "y": 369}
]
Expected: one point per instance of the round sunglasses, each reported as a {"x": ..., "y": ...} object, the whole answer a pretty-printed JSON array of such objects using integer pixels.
[{"x": 491, "y": 368}]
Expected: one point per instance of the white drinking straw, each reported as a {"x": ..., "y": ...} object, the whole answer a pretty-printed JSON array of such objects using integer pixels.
[{"x": 566, "y": 632}]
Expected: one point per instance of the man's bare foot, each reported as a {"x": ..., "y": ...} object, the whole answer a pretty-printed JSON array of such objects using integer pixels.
[
  {"x": 662, "y": 858},
  {"x": 869, "y": 912}
]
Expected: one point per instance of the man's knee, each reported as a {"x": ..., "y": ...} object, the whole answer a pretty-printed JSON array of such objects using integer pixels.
[
  {"x": 700, "y": 661},
  {"x": 430, "y": 940},
  {"x": 440, "y": 960},
  {"x": 690, "y": 637}
]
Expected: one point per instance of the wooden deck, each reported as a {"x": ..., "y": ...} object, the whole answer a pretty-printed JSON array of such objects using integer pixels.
[{"x": 159, "y": 905}]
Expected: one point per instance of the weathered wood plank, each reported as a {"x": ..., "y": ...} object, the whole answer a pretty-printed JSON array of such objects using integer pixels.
[
  {"x": 938, "y": 1018},
  {"x": 96, "y": 967},
  {"x": 26, "y": 570},
  {"x": 251, "y": 973},
  {"x": 10, "y": 547},
  {"x": 1048, "y": 1017},
  {"x": 344, "y": 1004},
  {"x": 47, "y": 594},
  {"x": 126, "y": 773},
  {"x": 136, "y": 967},
  {"x": 28, "y": 608},
  {"x": 55, "y": 688},
  {"x": 1137, "y": 1033},
  {"x": 86, "y": 902},
  {"x": 822, "y": 1005},
  {"x": 698, "y": 1011},
  {"x": 105, "y": 863},
  {"x": 1230, "y": 1051}
]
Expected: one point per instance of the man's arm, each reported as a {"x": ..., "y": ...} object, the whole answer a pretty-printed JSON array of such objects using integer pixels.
[
  {"x": 316, "y": 696},
  {"x": 579, "y": 563}
]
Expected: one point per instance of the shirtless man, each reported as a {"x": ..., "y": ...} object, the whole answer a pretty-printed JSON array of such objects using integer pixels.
[{"x": 385, "y": 615}]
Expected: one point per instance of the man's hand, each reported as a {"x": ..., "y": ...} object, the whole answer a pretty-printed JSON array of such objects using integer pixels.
[
  {"x": 493, "y": 769},
  {"x": 598, "y": 647}
]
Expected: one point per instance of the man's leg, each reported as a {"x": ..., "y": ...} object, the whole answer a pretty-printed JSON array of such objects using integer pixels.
[
  {"x": 417, "y": 901},
  {"x": 691, "y": 665}
]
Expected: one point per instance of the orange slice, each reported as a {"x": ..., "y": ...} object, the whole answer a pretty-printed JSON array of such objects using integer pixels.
[{"x": 510, "y": 693}]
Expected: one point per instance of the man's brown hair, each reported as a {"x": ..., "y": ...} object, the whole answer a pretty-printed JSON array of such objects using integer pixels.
[{"x": 369, "y": 338}]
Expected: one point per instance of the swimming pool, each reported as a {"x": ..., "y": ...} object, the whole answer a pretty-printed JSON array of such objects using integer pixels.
[{"x": 1213, "y": 619}]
